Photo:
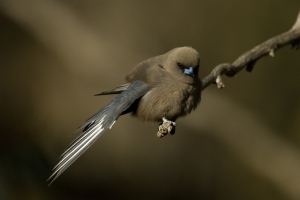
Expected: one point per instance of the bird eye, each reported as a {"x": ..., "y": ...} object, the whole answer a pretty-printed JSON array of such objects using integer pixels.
[
  {"x": 180, "y": 65},
  {"x": 161, "y": 66}
]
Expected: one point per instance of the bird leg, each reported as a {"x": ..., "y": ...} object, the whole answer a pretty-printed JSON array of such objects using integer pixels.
[{"x": 165, "y": 127}]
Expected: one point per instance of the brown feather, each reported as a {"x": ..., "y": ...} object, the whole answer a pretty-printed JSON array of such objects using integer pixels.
[{"x": 173, "y": 94}]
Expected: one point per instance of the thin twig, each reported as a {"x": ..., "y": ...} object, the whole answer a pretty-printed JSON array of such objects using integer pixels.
[{"x": 249, "y": 58}]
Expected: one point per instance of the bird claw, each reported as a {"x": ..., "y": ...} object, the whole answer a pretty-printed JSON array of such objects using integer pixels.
[{"x": 166, "y": 127}]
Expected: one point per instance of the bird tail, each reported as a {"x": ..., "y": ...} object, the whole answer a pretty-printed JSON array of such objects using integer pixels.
[{"x": 94, "y": 127}]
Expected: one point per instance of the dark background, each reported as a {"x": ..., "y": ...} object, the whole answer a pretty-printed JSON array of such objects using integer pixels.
[{"x": 242, "y": 142}]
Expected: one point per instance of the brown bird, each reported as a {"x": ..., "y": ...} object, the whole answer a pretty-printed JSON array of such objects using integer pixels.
[{"x": 159, "y": 89}]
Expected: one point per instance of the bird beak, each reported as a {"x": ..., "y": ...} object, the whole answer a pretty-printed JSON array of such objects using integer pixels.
[{"x": 189, "y": 71}]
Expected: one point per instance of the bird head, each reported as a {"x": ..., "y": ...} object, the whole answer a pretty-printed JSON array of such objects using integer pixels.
[{"x": 183, "y": 64}]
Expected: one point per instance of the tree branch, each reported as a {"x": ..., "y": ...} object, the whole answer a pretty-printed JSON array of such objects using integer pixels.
[{"x": 249, "y": 58}]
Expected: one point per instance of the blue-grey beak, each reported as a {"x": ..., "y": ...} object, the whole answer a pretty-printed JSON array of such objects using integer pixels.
[{"x": 189, "y": 71}]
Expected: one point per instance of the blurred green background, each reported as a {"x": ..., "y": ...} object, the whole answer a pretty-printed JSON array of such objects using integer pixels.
[{"x": 242, "y": 142}]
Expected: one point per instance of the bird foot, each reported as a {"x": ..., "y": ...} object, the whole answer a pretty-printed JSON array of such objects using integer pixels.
[{"x": 166, "y": 127}]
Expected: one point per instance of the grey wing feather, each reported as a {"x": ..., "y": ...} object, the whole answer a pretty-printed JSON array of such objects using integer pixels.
[
  {"x": 116, "y": 90},
  {"x": 97, "y": 124}
]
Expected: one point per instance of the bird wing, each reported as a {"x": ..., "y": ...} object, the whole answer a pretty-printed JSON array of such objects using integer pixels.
[
  {"x": 97, "y": 124},
  {"x": 116, "y": 90}
]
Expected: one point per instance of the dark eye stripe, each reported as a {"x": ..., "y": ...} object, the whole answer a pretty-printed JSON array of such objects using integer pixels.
[
  {"x": 161, "y": 66},
  {"x": 180, "y": 65}
]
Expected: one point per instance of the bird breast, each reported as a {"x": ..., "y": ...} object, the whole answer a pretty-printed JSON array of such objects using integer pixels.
[{"x": 170, "y": 101}]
